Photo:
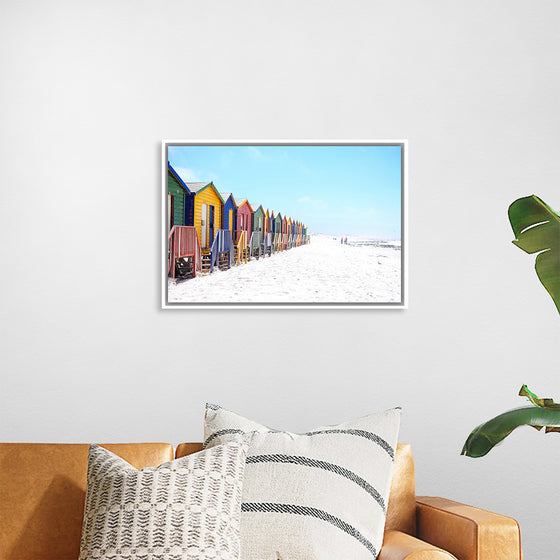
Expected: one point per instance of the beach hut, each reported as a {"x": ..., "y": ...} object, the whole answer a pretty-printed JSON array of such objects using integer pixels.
[
  {"x": 258, "y": 218},
  {"x": 184, "y": 255},
  {"x": 289, "y": 232},
  {"x": 271, "y": 229},
  {"x": 266, "y": 220},
  {"x": 177, "y": 192},
  {"x": 267, "y": 235},
  {"x": 229, "y": 223},
  {"x": 244, "y": 229},
  {"x": 203, "y": 210},
  {"x": 229, "y": 215},
  {"x": 256, "y": 239},
  {"x": 284, "y": 233},
  {"x": 278, "y": 231},
  {"x": 270, "y": 226}
]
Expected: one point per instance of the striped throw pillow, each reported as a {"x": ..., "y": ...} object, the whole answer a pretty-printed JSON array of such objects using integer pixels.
[
  {"x": 187, "y": 509},
  {"x": 321, "y": 495}
]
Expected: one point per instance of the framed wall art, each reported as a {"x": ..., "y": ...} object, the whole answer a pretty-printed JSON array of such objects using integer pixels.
[{"x": 284, "y": 224}]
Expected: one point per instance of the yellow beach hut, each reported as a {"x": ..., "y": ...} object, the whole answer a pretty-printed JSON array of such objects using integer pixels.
[
  {"x": 206, "y": 205},
  {"x": 290, "y": 239},
  {"x": 267, "y": 236}
]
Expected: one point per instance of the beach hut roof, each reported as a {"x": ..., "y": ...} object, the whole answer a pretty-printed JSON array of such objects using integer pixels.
[
  {"x": 176, "y": 175},
  {"x": 240, "y": 201},
  {"x": 198, "y": 187},
  {"x": 226, "y": 195}
]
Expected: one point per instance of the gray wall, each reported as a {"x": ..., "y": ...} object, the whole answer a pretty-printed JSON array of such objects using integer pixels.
[{"x": 88, "y": 92}]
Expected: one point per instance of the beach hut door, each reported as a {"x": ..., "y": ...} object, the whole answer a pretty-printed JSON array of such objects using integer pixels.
[
  {"x": 230, "y": 220},
  {"x": 170, "y": 211},
  {"x": 203, "y": 218},
  {"x": 211, "y": 225}
]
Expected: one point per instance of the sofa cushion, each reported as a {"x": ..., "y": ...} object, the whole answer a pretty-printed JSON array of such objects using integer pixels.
[
  {"x": 42, "y": 492},
  {"x": 322, "y": 494},
  {"x": 186, "y": 509}
]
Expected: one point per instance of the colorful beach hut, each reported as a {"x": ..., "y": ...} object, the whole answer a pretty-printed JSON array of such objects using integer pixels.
[
  {"x": 256, "y": 240},
  {"x": 258, "y": 219},
  {"x": 244, "y": 216},
  {"x": 184, "y": 255},
  {"x": 271, "y": 229},
  {"x": 244, "y": 229},
  {"x": 278, "y": 231},
  {"x": 267, "y": 235},
  {"x": 284, "y": 233},
  {"x": 204, "y": 210},
  {"x": 229, "y": 215},
  {"x": 289, "y": 232},
  {"x": 177, "y": 192},
  {"x": 205, "y": 206}
]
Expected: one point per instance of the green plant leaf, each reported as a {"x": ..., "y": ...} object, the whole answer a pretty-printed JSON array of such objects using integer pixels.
[
  {"x": 536, "y": 227},
  {"x": 483, "y": 438},
  {"x": 537, "y": 401}
]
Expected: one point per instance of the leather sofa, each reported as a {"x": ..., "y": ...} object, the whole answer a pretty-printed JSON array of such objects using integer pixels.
[{"x": 42, "y": 492}]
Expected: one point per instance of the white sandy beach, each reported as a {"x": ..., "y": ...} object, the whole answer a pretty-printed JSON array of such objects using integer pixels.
[{"x": 364, "y": 271}]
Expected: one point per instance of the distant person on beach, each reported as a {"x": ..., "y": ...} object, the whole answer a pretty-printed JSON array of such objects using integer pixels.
[
  {"x": 341, "y": 240},
  {"x": 346, "y": 241}
]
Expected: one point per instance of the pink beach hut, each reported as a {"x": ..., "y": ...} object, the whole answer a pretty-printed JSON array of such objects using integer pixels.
[
  {"x": 244, "y": 219},
  {"x": 244, "y": 216}
]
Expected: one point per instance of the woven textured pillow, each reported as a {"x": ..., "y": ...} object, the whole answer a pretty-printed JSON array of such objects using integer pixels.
[
  {"x": 185, "y": 509},
  {"x": 321, "y": 495}
]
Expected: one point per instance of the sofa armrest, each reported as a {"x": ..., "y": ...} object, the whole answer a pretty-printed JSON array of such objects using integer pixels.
[
  {"x": 467, "y": 532},
  {"x": 401, "y": 546}
]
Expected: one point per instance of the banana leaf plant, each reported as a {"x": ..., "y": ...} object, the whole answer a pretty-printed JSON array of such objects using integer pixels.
[
  {"x": 543, "y": 413},
  {"x": 537, "y": 230},
  {"x": 536, "y": 227}
]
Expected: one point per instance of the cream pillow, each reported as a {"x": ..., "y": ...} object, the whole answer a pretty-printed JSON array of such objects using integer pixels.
[{"x": 321, "y": 495}]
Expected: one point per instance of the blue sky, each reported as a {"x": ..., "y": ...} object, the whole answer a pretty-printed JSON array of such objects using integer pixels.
[{"x": 337, "y": 190}]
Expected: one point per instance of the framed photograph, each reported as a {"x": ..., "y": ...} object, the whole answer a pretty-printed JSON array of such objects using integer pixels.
[{"x": 288, "y": 224}]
